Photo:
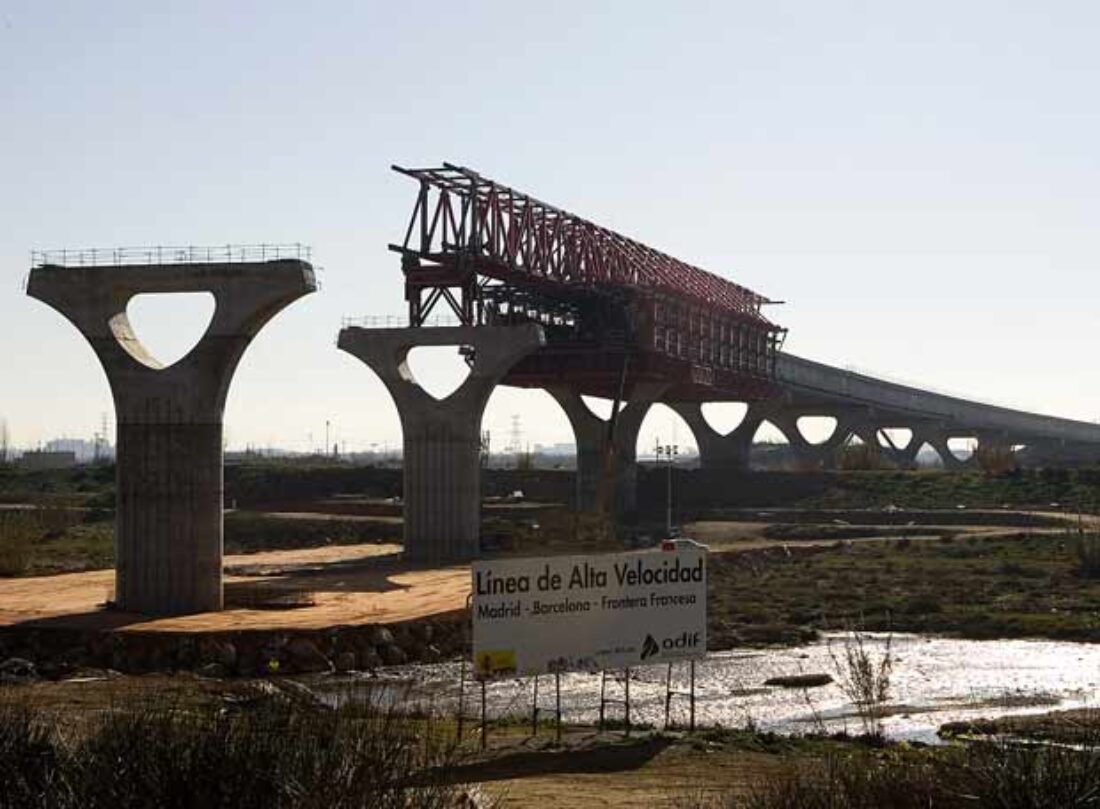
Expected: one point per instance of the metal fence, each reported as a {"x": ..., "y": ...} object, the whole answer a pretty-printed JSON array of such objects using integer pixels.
[
  {"x": 189, "y": 254},
  {"x": 396, "y": 321}
]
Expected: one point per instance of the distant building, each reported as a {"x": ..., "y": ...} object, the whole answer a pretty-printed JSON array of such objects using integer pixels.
[
  {"x": 561, "y": 448},
  {"x": 85, "y": 451},
  {"x": 42, "y": 459}
]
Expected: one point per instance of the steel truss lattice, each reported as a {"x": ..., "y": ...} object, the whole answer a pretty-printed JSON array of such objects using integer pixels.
[{"x": 513, "y": 257}]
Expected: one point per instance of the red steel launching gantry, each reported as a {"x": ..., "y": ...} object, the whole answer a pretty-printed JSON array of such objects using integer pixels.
[{"x": 615, "y": 311}]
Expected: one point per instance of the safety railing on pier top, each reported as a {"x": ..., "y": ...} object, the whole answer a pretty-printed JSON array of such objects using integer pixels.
[
  {"x": 396, "y": 321},
  {"x": 152, "y": 255}
]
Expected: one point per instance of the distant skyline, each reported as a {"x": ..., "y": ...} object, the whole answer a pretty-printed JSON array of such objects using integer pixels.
[{"x": 920, "y": 182}]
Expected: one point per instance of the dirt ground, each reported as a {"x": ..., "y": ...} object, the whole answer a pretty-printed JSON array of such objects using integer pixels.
[
  {"x": 653, "y": 772},
  {"x": 344, "y": 585},
  {"x": 349, "y": 585}
]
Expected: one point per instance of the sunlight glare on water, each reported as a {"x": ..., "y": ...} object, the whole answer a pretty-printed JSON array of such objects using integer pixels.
[{"x": 935, "y": 680}]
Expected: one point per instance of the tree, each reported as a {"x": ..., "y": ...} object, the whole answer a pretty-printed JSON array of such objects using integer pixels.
[{"x": 5, "y": 439}]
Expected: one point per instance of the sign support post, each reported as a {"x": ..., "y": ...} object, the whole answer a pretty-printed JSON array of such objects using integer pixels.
[
  {"x": 484, "y": 723},
  {"x": 603, "y": 698},
  {"x": 535, "y": 709},
  {"x": 628, "y": 701},
  {"x": 691, "y": 724},
  {"x": 557, "y": 691},
  {"x": 461, "y": 705},
  {"x": 668, "y": 694}
]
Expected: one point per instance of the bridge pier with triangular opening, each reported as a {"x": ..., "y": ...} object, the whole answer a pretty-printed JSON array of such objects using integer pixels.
[
  {"x": 168, "y": 533},
  {"x": 441, "y": 437}
]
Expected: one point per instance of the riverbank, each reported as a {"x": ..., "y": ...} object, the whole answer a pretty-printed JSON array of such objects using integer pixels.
[
  {"x": 1017, "y": 584},
  {"x": 272, "y": 743},
  {"x": 974, "y": 579},
  {"x": 1080, "y": 726}
]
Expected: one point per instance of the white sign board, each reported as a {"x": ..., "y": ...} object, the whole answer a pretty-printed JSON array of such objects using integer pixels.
[{"x": 568, "y": 613}]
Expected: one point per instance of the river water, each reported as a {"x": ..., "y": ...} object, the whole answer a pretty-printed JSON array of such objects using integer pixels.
[{"x": 933, "y": 680}]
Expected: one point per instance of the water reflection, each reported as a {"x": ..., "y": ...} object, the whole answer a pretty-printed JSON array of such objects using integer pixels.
[{"x": 934, "y": 680}]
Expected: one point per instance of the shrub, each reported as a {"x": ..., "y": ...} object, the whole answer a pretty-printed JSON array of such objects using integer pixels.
[
  {"x": 995, "y": 459},
  {"x": 18, "y": 530},
  {"x": 1008, "y": 776},
  {"x": 28, "y": 761},
  {"x": 274, "y": 753},
  {"x": 865, "y": 680},
  {"x": 1087, "y": 549},
  {"x": 996, "y": 775},
  {"x": 859, "y": 457}
]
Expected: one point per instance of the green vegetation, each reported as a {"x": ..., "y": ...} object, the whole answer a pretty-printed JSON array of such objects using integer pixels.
[
  {"x": 194, "y": 742},
  {"x": 248, "y": 532},
  {"x": 1021, "y": 586},
  {"x": 1087, "y": 548},
  {"x": 1070, "y": 489},
  {"x": 793, "y": 532},
  {"x": 43, "y": 541},
  {"x": 280, "y": 483},
  {"x": 89, "y": 486},
  {"x": 268, "y": 752},
  {"x": 17, "y": 531},
  {"x": 52, "y": 539},
  {"x": 1078, "y": 726}
]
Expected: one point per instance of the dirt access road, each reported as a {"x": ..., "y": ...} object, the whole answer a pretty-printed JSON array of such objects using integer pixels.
[{"x": 347, "y": 585}]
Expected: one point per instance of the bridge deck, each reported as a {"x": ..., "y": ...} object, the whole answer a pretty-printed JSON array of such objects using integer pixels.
[{"x": 831, "y": 385}]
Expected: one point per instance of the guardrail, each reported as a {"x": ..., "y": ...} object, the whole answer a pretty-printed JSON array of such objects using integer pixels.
[
  {"x": 396, "y": 322},
  {"x": 152, "y": 255}
]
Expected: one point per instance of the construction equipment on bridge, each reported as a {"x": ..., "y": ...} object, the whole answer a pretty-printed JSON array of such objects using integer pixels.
[{"x": 494, "y": 255}]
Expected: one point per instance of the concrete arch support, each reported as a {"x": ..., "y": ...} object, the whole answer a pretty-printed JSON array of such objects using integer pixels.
[
  {"x": 442, "y": 438},
  {"x": 590, "y": 433},
  {"x": 937, "y": 440},
  {"x": 717, "y": 451},
  {"x": 168, "y": 533}
]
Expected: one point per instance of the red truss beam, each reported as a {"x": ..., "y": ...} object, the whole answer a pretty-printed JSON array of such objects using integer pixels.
[{"x": 462, "y": 216}]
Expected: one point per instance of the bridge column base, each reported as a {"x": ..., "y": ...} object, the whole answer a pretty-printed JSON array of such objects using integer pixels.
[
  {"x": 441, "y": 438},
  {"x": 590, "y": 433},
  {"x": 729, "y": 452}
]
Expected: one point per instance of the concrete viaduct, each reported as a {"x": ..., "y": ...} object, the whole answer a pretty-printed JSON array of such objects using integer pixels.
[
  {"x": 871, "y": 409},
  {"x": 545, "y": 300}
]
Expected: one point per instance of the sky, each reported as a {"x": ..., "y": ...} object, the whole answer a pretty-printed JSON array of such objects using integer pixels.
[{"x": 919, "y": 182}]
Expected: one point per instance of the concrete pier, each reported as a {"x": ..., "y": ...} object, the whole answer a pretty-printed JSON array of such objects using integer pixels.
[
  {"x": 590, "y": 433},
  {"x": 168, "y": 534},
  {"x": 729, "y": 451},
  {"x": 442, "y": 438}
]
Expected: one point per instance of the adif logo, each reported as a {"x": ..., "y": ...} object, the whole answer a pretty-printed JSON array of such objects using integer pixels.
[{"x": 685, "y": 641}]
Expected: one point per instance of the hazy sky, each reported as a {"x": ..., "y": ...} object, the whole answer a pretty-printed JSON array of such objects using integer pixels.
[{"x": 919, "y": 181}]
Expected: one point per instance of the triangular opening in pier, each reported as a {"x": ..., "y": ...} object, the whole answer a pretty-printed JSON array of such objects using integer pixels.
[
  {"x": 927, "y": 456},
  {"x": 599, "y": 406},
  {"x": 169, "y": 324},
  {"x": 816, "y": 429},
  {"x": 898, "y": 436},
  {"x": 768, "y": 433},
  {"x": 962, "y": 447},
  {"x": 724, "y": 417},
  {"x": 664, "y": 427},
  {"x": 439, "y": 370}
]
